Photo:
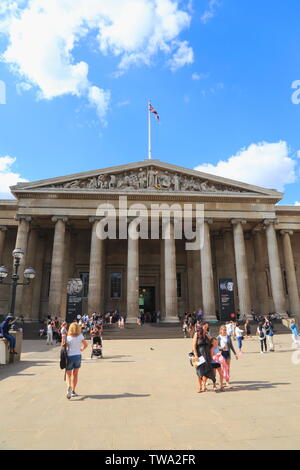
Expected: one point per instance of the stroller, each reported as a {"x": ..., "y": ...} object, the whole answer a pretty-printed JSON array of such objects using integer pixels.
[{"x": 97, "y": 347}]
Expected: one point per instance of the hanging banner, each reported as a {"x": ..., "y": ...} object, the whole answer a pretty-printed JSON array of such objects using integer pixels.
[
  {"x": 74, "y": 300},
  {"x": 226, "y": 295}
]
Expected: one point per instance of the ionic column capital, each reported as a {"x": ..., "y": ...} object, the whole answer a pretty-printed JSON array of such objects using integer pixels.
[
  {"x": 238, "y": 221},
  {"x": 268, "y": 222},
  {"x": 286, "y": 231},
  {"x": 55, "y": 218},
  {"x": 94, "y": 219},
  {"x": 208, "y": 220},
  {"x": 20, "y": 217},
  {"x": 3, "y": 228}
]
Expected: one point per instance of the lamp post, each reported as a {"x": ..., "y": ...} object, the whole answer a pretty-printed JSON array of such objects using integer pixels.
[{"x": 29, "y": 275}]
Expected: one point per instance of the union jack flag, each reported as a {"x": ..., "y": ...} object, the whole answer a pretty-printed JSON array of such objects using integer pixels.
[{"x": 152, "y": 110}]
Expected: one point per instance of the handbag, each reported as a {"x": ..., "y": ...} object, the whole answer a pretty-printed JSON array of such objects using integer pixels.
[{"x": 64, "y": 359}]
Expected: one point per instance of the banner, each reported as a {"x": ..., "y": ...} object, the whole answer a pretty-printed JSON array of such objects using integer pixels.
[
  {"x": 226, "y": 295},
  {"x": 74, "y": 300}
]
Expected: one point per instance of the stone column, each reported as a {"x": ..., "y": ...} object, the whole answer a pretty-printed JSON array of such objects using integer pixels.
[
  {"x": 208, "y": 292},
  {"x": 21, "y": 242},
  {"x": 241, "y": 268},
  {"x": 133, "y": 283},
  {"x": 3, "y": 231},
  {"x": 162, "y": 296},
  {"x": 290, "y": 273},
  {"x": 57, "y": 266},
  {"x": 190, "y": 280},
  {"x": 275, "y": 268},
  {"x": 30, "y": 262},
  {"x": 65, "y": 277},
  {"x": 171, "y": 304},
  {"x": 197, "y": 282},
  {"x": 96, "y": 278},
  {"x": 260, "y": 271},
  {"x": 37, "y": 283}
]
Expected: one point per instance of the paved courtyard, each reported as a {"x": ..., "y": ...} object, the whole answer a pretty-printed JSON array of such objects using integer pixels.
[{"x": 142, "y": 395}]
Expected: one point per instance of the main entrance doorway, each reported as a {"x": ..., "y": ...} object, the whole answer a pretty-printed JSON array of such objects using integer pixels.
[{"x": 147, "y": 302}]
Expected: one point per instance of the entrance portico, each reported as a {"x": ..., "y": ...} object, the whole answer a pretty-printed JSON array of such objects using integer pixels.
[{"x": 247, "y": 239}]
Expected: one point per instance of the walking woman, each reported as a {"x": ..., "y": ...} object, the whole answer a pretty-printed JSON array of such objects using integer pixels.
[
  {"x": 201, "y": 350},
  {"x": 226, "y": 346},
  {"x": 261, "y": 332},
  {"x": 75, "y": 344}
]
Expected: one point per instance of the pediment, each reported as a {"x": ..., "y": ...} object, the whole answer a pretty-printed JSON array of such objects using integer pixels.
[{"x": 146, "y": 176}]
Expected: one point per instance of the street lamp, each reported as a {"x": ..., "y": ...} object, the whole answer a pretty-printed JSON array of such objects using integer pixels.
[{"x": 29, "y": 275}]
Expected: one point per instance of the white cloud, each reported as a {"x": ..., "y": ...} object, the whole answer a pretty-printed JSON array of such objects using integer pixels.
[
  {"x": 120, "y": 104},
  {"x": 100, "y": 99},
  {"x": 211, "y": 11},
  {"x": 8, "y": 177},
  {"x": 184, "y": 55},
  {"x": 23, "y": 86},
  {"x": 297, "y": 203},
  {"x": 199, "y": 76},
  {"x": 298, "y": 154},
  {"x": 42, "y": 37},
  {"x": 265, "y": 164}
]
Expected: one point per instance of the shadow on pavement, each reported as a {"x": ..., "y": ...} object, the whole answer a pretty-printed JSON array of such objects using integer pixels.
[
  {"x": 110, "y": 397},
  {"x": 13, "y": 370},
  {"x": 254, "y": 385}
]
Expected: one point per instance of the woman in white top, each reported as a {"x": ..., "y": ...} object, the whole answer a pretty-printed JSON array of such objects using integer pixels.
[
  {"x": 49, "y": 333},
  {"x": 75, "y": 344}
]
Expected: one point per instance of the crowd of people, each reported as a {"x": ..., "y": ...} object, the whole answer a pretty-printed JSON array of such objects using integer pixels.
[{"x": 212, "y": 354}]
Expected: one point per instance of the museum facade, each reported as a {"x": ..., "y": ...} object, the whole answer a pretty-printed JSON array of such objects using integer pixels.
[{"x": 249, "y": 243}]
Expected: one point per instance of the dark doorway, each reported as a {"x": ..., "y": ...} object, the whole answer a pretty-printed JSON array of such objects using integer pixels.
[{"x": 147, "y": 302}]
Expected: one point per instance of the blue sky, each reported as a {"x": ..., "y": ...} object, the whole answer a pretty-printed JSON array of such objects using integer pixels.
[{"x": 220, "y": 75}]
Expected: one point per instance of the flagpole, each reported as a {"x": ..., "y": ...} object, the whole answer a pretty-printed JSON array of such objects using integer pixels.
[{"x": 149, "y": 131}]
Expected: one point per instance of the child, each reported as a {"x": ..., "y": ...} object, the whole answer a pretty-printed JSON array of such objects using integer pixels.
[
  {"x": 216, "y": 361},
  {"x": 295, "y": 332},
  {"x": 239, "y": 337}
]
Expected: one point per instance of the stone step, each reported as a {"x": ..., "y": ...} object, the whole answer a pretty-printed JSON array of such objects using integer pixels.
[{"x": 147, "y": 331}]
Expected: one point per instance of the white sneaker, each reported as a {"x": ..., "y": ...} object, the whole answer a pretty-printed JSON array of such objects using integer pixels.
[
  {"x": 74, "y": 394},
  {"x": 69, "y": 393}
]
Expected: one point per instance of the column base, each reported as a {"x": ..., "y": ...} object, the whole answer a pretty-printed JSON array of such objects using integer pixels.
[
  {"x": 131, "y": 320},
  {"x": 283, "y": 315},
  {"x": 170, "y": 320},
  {"x": 209, "y": 318}
]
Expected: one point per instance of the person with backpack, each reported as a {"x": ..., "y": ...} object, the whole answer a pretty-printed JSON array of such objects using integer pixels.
[
  {"x": 75, "y": 344},
  {"x": 261, "y": 332}
]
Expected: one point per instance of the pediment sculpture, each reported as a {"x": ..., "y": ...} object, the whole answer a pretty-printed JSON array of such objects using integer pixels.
[{"x": 151, "y": 178}]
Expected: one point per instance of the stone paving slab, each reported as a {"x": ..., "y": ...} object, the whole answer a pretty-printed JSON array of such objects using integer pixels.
[{"x": 142, "y": 396}]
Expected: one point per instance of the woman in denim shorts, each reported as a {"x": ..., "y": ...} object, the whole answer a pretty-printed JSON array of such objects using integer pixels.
[{"x": 75, "y": 344}]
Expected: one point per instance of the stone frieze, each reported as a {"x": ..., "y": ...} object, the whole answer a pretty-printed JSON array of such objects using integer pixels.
[{"x": 151, "y": 178}]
